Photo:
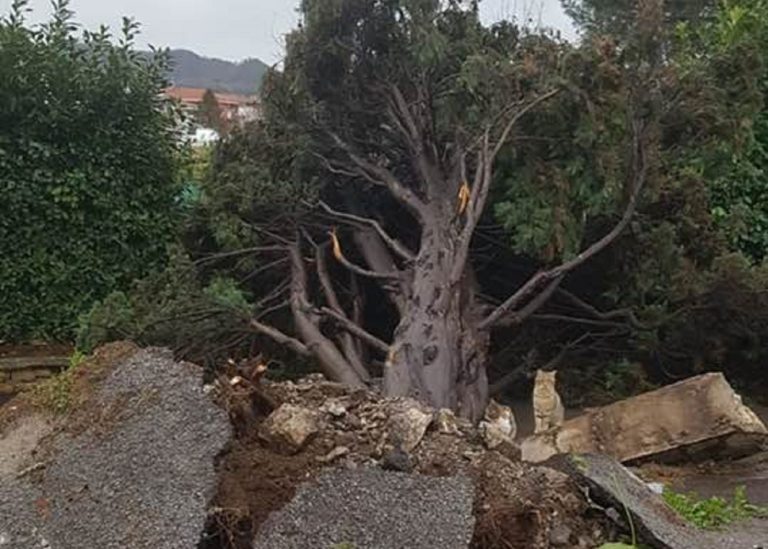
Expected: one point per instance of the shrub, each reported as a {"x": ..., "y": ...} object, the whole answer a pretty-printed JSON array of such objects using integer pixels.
[{"x": 88, "y": 165}]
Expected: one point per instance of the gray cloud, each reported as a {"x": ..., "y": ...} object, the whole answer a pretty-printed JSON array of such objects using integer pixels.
[{"x": 236, "y": 29}]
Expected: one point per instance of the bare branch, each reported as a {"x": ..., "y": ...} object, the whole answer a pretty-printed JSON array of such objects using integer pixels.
[
  {"x": 328, "y": 355},
  {"x": 392, "y": 242},
  {"x": 381, "y": 176},
  {"x": 263, "y": 268},
  {"x": 516, "y": 118},
  {"x": 281, "y": 338},
  {"x": 339, "y": 255},
  {"x": 578, "y": 320},
  {"x": 627, "y": 314},
  {"x": 347, "y": 343},
  {"x": 379, "y": 258},
  {"x": 269, "y": 310},
  {"x": 333, "y": 169},
  {"x": 486, "y": 157},
  {"x": 356, "y": 330},
  {"x": 505, "y": 381},
  {"x": 477, "y": 200},
  {"x": 423, "y": 152},
  {"x": 237, "y": 253},
  {"x": 402, "y": 116}
]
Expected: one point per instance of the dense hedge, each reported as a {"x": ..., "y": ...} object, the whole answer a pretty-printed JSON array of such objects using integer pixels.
[{"x": 88, "y": 164}]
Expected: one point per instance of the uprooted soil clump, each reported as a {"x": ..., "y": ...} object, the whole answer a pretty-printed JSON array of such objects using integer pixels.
[{"x": 287, "y": 433}]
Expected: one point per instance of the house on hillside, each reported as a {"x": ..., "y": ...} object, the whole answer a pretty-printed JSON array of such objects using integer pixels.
[{"x": 235, "y": 109}]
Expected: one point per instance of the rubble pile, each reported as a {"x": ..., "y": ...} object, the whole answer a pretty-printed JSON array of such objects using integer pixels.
[{"x": 317, "y": 425}]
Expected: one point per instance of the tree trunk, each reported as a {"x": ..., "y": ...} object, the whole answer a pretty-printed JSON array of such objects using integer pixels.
[{"x": 437, "y": 355}]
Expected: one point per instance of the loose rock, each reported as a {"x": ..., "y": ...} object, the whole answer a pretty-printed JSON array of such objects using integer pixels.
[
  {"x": 407, "y": 424},
  {"x": 290, "y": 427},
  {"x": 445, "y": 422},
  {"x": 334, "y": 454}
]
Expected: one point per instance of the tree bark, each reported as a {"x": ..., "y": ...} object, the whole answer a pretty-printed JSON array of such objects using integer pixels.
[{"x": 437, "y": 354}]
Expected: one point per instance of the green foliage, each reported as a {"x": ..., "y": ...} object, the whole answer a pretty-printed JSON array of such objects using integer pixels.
[
  {"x": 76, "y": 359},
  {"x": 88, "y": 162},
  {"x": 171, "y": 308},
  {"x": 714, "y": 513},
  {"x": 617, "y": 17}
]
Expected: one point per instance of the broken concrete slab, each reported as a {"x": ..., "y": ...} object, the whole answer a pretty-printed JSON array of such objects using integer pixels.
[
  {"x": 613, "y": 486},
  {"x": 701, "y": 418},
  {"x": 374, "y": 509},
  {"x": 136, "y": 470}
]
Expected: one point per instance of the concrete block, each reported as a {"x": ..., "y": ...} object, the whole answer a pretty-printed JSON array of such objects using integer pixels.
[{"x": 695, "y": 419}]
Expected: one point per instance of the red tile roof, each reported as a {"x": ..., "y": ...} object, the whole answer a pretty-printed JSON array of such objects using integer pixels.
[{"x": 195, "y": 95}]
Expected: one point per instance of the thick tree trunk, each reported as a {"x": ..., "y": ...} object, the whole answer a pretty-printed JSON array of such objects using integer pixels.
[{"x": 437, "y": 354}]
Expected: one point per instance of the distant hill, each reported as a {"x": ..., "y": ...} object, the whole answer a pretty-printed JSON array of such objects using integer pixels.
[{"x": 194, "y": 71}]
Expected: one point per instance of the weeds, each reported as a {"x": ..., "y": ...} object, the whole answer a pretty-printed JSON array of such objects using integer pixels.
[
  {"x": 55, "y": 394},
  {"x": 715, "y": 512}
]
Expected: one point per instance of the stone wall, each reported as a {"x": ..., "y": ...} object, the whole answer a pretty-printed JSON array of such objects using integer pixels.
[{"x": 19, "y": 372}]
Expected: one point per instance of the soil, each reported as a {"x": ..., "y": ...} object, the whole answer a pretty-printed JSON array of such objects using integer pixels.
[
  {"x": 516, "y": 505},
  {"x": 85, "y": 379}
]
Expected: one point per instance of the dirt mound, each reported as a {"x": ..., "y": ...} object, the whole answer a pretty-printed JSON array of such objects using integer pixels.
[{"x": 516, "y": 505}]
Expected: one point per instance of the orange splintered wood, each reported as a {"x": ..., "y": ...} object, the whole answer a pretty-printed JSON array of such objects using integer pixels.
[
  {"x": 336, "y": 246},
  {"x": 464, "y": 195}
]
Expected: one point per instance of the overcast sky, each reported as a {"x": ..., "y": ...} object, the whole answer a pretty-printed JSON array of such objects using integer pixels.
[{"x": 238, "y": 29}]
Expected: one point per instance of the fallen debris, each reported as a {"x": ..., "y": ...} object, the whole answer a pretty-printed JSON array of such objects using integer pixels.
[
  {"x": 131, "y": 466},
  {"x": 701, "y": 418},
  {"x": 613, "y": 486},
  {"x": 515, "y": 505},
  {"x": 290, "y": 427},
  {"x": 373, "y": 509},
  {"x": 407, "y": 424}
]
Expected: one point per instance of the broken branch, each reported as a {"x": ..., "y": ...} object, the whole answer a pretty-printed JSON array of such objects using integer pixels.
[
  {"x": 339, "y": 255},
  {"x": 392, "y": 242}
]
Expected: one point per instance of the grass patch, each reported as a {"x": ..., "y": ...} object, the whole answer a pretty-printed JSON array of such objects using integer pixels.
[
  {"x": 54, "y": 394},
  {"x": 714, "y": 513}
]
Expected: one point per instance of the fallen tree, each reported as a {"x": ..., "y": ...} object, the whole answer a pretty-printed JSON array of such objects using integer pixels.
[{"x": 415, "y": 105}]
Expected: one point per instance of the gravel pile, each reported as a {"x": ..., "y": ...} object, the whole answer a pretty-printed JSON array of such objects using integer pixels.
[
  {"x": 374, "y": 509},
  {"x": 139, "y": 476}
]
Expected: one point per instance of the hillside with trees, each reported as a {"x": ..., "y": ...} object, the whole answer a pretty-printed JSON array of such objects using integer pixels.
[{"x": 189, "y": 69}]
